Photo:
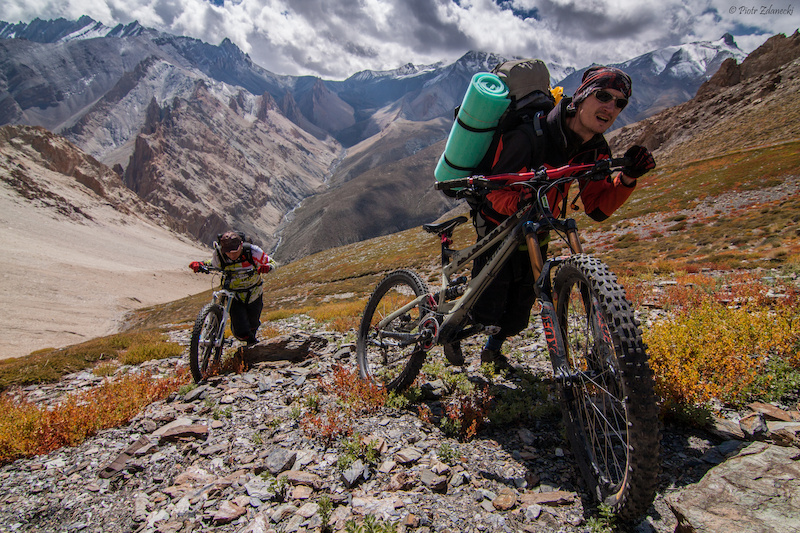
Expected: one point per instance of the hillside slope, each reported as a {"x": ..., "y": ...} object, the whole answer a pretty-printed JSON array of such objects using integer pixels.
[
  {"x": 80, "y": 250},
  {"x": 726, "y": 190}
]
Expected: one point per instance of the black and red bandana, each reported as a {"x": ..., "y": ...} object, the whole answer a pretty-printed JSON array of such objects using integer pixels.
[{"x": 600, "y": 77}]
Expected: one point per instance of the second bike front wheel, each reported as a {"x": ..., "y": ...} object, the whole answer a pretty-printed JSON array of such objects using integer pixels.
[
  {"x": 385, "y": 355},
  {"x": 203, "y": 353},
  {"x": 608, "y": 400}
]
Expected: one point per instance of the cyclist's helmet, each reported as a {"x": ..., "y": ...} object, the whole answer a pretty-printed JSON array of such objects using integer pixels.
[{"x": 230, "y": 241}]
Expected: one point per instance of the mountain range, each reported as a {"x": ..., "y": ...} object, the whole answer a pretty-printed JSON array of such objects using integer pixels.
[{"x": 213, "y": 140}]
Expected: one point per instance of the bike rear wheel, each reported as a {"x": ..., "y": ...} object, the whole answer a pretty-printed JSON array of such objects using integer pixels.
[
  {"x": 608, "y": 400},
  {"x": 387, "y": 356},
  {"x": 203, "y": 353}
]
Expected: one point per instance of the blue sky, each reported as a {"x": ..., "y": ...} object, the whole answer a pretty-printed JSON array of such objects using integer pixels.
[{"x": 337, "y": 38}]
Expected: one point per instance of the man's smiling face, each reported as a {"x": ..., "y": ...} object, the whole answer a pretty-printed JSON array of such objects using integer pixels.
[{"x": 593, "y": 116}]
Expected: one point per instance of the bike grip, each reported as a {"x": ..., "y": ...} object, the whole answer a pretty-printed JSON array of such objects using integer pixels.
[
  {"x": 452, "y": 184},
  {"x": 621, "y": 162}
]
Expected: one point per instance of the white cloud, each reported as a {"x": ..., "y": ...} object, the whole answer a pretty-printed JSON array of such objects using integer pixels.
[{"x": 336, "y": 38}]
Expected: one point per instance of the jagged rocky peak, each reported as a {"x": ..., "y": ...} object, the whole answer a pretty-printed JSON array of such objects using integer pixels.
[
  {"x": 479, "y": 61},
  {"x": 776, "y": 51},
  {"x": 728, "y": 40},
  {"x": 133, "y": 29},
  {"x": 233, "y": 51}
]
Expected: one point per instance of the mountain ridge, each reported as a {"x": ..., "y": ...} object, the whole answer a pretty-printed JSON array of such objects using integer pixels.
[
  {"x": 95, "y": 85},
  {"x": 389, "y": 181}
]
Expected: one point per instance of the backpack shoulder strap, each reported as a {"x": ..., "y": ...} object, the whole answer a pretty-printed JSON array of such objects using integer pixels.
[
  {"x": 248, "y": 252},
  {"x": 533, "y": 129}
]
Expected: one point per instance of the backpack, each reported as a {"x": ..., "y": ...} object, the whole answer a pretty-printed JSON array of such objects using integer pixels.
[{"x": 528, "y": 82}]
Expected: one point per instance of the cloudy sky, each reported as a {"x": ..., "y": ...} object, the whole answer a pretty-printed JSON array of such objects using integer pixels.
[{"x": 337, "y": 38}]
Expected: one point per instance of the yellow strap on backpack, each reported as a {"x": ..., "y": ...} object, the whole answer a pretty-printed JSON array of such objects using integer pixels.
[{"x": 557, "y": 93}]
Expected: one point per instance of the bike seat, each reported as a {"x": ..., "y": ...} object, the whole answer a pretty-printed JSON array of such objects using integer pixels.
[{"x": 444, "y": 227}]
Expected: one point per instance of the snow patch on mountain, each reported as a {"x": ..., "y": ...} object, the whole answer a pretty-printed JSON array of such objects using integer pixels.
[{"x": 689, "y": 61}]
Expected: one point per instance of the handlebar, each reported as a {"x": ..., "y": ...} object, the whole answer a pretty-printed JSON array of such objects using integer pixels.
[
  {"x": 593, "y": 171},
  {"x": 207, "y": 269}
]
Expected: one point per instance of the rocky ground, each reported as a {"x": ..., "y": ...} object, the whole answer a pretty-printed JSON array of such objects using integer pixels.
[{"x": 207, "y": 459}]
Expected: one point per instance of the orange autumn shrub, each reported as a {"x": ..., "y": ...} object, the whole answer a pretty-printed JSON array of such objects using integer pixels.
[
  {"x": 27, "y": 429},
  {"x": 712, "y": 351}
]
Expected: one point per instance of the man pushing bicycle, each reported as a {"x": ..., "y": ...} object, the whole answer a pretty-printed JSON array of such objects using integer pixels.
[
  {"x": 242, "y": 264},
  {"x": 571, "y": 133}
]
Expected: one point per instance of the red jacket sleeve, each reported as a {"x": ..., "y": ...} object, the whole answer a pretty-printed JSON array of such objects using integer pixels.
[
  {"x": 601, "y": 198},
  {"x": 260, "y": 258}
]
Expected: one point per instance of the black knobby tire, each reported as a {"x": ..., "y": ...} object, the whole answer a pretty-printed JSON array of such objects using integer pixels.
[
  {"x": 202, "y": 352},
  {"x": 384, "y": 360},
  {"x": 608, "y": 403}
]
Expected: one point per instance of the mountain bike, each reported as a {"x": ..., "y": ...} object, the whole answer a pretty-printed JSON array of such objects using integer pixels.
[
  {"x": 208, "y": 334},
  {"x": 595, "y": 345}
]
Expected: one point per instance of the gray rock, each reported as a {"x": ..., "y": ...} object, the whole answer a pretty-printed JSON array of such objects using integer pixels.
[
  {"x": 197, "y": 393},
  {"x": 295, "y": 347},
  {"x": 754, "y": 426},
  {"x": 408, "y": 455},
  {"x": 757, "y": 491},
  {"x": 354, "y": 473},
  {"x": 260, "y": 489},
  {"x": 280, "y": 460},
  {"x": 434, "y": 390},
  {"x": 533, "y": 511},
  {"x": 433, "y": 481}
]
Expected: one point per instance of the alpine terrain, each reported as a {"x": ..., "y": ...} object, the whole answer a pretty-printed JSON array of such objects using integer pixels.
[{"x": 205, "y": 140}]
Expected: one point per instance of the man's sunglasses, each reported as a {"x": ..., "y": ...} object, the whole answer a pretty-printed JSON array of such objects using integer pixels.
[{"x": 605, "y": 96}]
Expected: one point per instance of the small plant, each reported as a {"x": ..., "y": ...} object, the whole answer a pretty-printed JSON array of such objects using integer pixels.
[
  {"x": 312, "y": 403},
  {"x": 411, "y": 396},
  {"x": 105, "y": 370},
  {"x": 527, "y": 403},
  {"x": 447, "y": 454},
  {"x": 296, "y": 411},
  {"x": 325, "y": 510},
  {"x": 370, "y": 525},
  {"x": 218, "y": 412},
  {"x": 355, "y": 448},
  {"x": 488, "y": 370},
  {"x": 466, "y": 413},
  {"x": 436, "y": 369},
  {"x": 716, "y": 352},
  {"x": 605, "y": 522},
  {"x": 424, "y": 413},
  {"x": 328, "y": 425},
  {"x": 186, "y": 389},
  {"x": 397, "y": 401},
  {"x": 27, "y": 430},
  {"x": 140, "y": 353},
  {"x": 279, "y": 486},
  {"x": 355, "y": 394}
]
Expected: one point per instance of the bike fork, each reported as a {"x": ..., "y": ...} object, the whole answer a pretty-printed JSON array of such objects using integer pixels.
[{"x": 552, "y": 331}]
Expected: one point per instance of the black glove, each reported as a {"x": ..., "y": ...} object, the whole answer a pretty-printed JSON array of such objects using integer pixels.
[{"x": 641, "y": 162}]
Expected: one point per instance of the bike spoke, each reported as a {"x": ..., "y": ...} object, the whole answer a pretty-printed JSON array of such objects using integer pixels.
[{"x": 602, "y": 413}]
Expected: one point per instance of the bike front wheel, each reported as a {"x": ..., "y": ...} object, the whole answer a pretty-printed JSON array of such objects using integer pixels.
[
  {"x": 607, "y": 394},
  {"x": 203, "y": 351},
  {"x": 391, "y": 355}
]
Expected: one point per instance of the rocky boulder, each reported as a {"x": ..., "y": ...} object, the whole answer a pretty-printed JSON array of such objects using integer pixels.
[{"x": 757, "y": 491}]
